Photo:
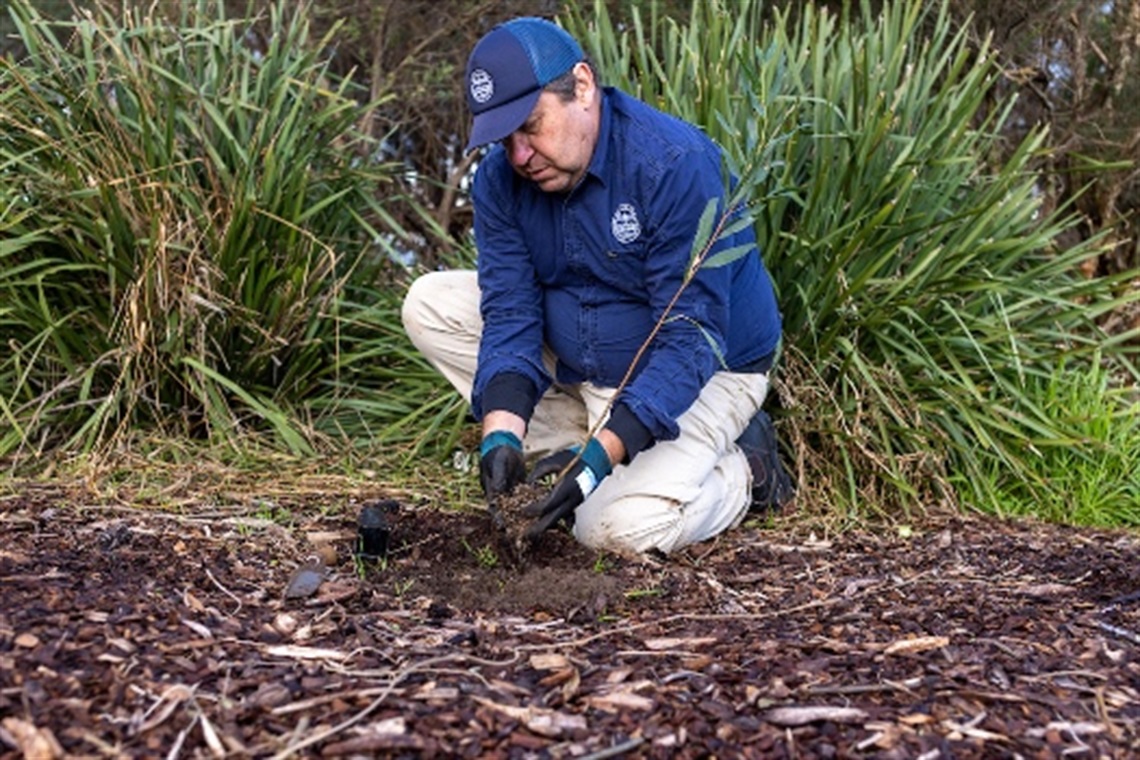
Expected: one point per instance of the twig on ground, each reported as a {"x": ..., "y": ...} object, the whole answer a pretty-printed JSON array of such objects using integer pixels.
[
  {"x": 1001, "y": 646},
  {"x": 993, "y": 696},
  {"x": 225, "y": 591},
  {"x": 324, "y": 699},
  {"x": 397, "y": 678},
  {"x": 1123, "y": 633},
  {"x": 1062, "y": 674},
  {"x": 864, "y": 688},
  {"x": 176, "y": 748},
  {"x": 615, "y": 750},
  {"x": 709, "y": 617}
]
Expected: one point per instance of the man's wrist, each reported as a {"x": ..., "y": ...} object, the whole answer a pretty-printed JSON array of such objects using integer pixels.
[
  {"x": 612, "y": 448},
  {"x": 501, "y": 419},
  {"x": 499, "y": 438},
  {"x": 631, "y": 435}
]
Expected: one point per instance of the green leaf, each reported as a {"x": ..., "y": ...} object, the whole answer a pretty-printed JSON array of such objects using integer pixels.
[
  {"x": 701, "y": 239},
  {"x": 729, "y": 255}
]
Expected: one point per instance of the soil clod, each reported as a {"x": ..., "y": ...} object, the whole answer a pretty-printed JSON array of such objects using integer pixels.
[{"x": 507, "y": 515}]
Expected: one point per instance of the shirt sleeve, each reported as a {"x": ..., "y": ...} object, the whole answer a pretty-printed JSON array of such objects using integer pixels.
[
  {"x": 510, "y": 301},
  {"x": 691, "y": 345}
]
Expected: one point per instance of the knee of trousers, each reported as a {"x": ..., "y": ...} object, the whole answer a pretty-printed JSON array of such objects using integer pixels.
[
  {"x": 643, "y": 518},
  {"x": 631, "y": 524},
  {"x": 440, "y": 303},
  {"x": 413, "y": 311}
]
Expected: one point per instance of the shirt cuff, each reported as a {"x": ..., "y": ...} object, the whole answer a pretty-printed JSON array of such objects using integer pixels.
[
  {"x": 510, "y": 392},
  {"x": 763, "y": 365},
  {"x": 634, "y": 435}
]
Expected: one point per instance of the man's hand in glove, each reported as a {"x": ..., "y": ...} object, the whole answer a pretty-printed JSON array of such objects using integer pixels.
[
  {"x": 501, "y": 464},
  {"x": 583, "y": 477}
]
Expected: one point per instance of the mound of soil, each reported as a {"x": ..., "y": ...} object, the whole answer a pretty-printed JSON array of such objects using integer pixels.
[{"x": 134, "y": 632}]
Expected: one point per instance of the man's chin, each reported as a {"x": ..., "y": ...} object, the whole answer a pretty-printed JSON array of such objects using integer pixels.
[{"x": 555, "y": 183}]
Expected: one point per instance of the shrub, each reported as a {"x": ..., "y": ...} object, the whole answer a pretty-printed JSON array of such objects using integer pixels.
[
  {"x": 922, "y": 293},
  {"x": 181, "y": 216}
]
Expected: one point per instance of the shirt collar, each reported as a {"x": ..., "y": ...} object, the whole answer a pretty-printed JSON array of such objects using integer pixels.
[{"x": 600, "y": 159}]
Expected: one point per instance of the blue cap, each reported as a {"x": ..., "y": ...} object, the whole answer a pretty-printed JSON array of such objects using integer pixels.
[{"x": 508, "y": 69}]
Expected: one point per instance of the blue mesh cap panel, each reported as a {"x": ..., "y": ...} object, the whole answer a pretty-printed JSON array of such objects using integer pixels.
[{"x": 552, "y": 51}]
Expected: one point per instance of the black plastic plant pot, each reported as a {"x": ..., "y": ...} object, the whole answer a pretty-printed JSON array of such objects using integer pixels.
[{"x": 373, "y": 530}]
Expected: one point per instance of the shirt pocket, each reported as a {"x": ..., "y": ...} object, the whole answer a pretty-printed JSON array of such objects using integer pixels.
[{"x": 624, "y": 266}]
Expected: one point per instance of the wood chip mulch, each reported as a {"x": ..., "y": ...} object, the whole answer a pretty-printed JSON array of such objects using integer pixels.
[{"x": 129, "y": 632}]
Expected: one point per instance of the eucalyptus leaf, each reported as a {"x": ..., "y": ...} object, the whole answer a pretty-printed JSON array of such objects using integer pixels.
[
  {"x": 703, "y": 236},
  {"x": 727, "y": 256}
]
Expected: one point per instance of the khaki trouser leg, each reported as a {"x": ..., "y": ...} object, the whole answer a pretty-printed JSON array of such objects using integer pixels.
[
  {"x": 682, "y": 491},
  {"x": 674, "y": 494},
  {"x": 441, "y": 316}
]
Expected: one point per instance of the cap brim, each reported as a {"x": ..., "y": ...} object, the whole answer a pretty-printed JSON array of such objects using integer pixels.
[{"x": 498, "y": 122}]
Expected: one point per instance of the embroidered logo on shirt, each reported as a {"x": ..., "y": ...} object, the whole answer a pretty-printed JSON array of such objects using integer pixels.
[
  {"x": 625, "y": 224},
  {"x": 482, "y": 86}
]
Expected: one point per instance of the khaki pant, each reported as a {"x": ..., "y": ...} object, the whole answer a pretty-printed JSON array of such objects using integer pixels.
[{"x": 671, "y": 495}]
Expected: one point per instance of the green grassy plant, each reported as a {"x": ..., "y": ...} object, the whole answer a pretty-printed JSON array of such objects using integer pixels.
[
  {"x": 484, "y": 555},
  {"x": 1093, "y": 478},
  {"x": 384, "y": 393},
  {"x": 922, "y": 291},
  {"x": 182, "y": 218}
]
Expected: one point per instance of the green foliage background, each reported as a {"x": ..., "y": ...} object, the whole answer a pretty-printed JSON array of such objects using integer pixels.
[
  {"x": 193, "y": 232},
  {"x": 200, "y": 213}
]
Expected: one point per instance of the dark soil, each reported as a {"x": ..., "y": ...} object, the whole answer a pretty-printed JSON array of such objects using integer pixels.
[{"x": 134, "y": 632}]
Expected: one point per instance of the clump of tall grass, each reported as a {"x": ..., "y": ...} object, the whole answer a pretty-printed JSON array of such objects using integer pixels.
[
  {"x": 1093, "y": 478},
  {"x": 922, "y": 291},
  {"x": 182, "y": 214}
]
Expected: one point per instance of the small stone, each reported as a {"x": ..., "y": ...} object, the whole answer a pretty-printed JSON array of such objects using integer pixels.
[
  {"x": 305, "y": 581},
  {"x": 286, "y": 623},
  {"x": 27, "y": 641}
]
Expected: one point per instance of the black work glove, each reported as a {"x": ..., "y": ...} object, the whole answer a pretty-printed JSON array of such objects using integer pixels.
[
  {"x": 579, "y": 482},
  {"x": 501, "y": 464}
]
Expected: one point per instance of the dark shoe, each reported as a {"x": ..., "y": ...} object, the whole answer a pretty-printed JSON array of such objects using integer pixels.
[{"x": 772, "y": 488}]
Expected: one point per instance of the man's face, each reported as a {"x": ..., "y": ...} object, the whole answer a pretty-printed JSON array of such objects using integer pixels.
[{"x": 554, "y": 145}]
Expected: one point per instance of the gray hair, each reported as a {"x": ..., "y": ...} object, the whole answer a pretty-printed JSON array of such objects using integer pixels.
[{"x": 564, "y": 86}]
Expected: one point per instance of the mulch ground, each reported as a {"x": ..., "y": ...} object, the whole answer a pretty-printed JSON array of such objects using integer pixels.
[{"x": 252, "y": 630}]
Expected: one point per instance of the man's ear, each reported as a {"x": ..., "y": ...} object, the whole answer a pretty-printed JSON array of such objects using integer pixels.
[{"x": 584, "y": 84}]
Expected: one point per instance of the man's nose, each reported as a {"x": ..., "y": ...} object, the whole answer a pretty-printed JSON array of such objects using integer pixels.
[{"x": 519, "y": 150}]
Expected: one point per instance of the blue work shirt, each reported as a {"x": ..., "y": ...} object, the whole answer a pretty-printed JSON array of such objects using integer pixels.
[{"x": 590, "y": 272}]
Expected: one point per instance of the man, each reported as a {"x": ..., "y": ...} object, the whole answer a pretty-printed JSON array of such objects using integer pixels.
[{"x": 585, "y": 214}]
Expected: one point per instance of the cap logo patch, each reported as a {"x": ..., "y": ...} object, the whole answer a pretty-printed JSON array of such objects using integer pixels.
[
  {"x": 625, "y": 225},
  {"x": 482, "y": 86}
]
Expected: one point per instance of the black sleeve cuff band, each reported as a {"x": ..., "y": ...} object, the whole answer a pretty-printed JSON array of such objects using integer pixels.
[
  {"x": 510, "y": 392},
  {"x": 634, "y": 435}
]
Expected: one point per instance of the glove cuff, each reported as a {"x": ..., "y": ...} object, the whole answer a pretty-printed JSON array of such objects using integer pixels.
[
  {"x": 596, "y": 466},
  {"x": 499, "y": 438},
  {"x": 595, "y": 457}
]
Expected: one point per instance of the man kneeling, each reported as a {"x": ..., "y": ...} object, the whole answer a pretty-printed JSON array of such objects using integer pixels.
[{"x": 586, "y": 209}]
